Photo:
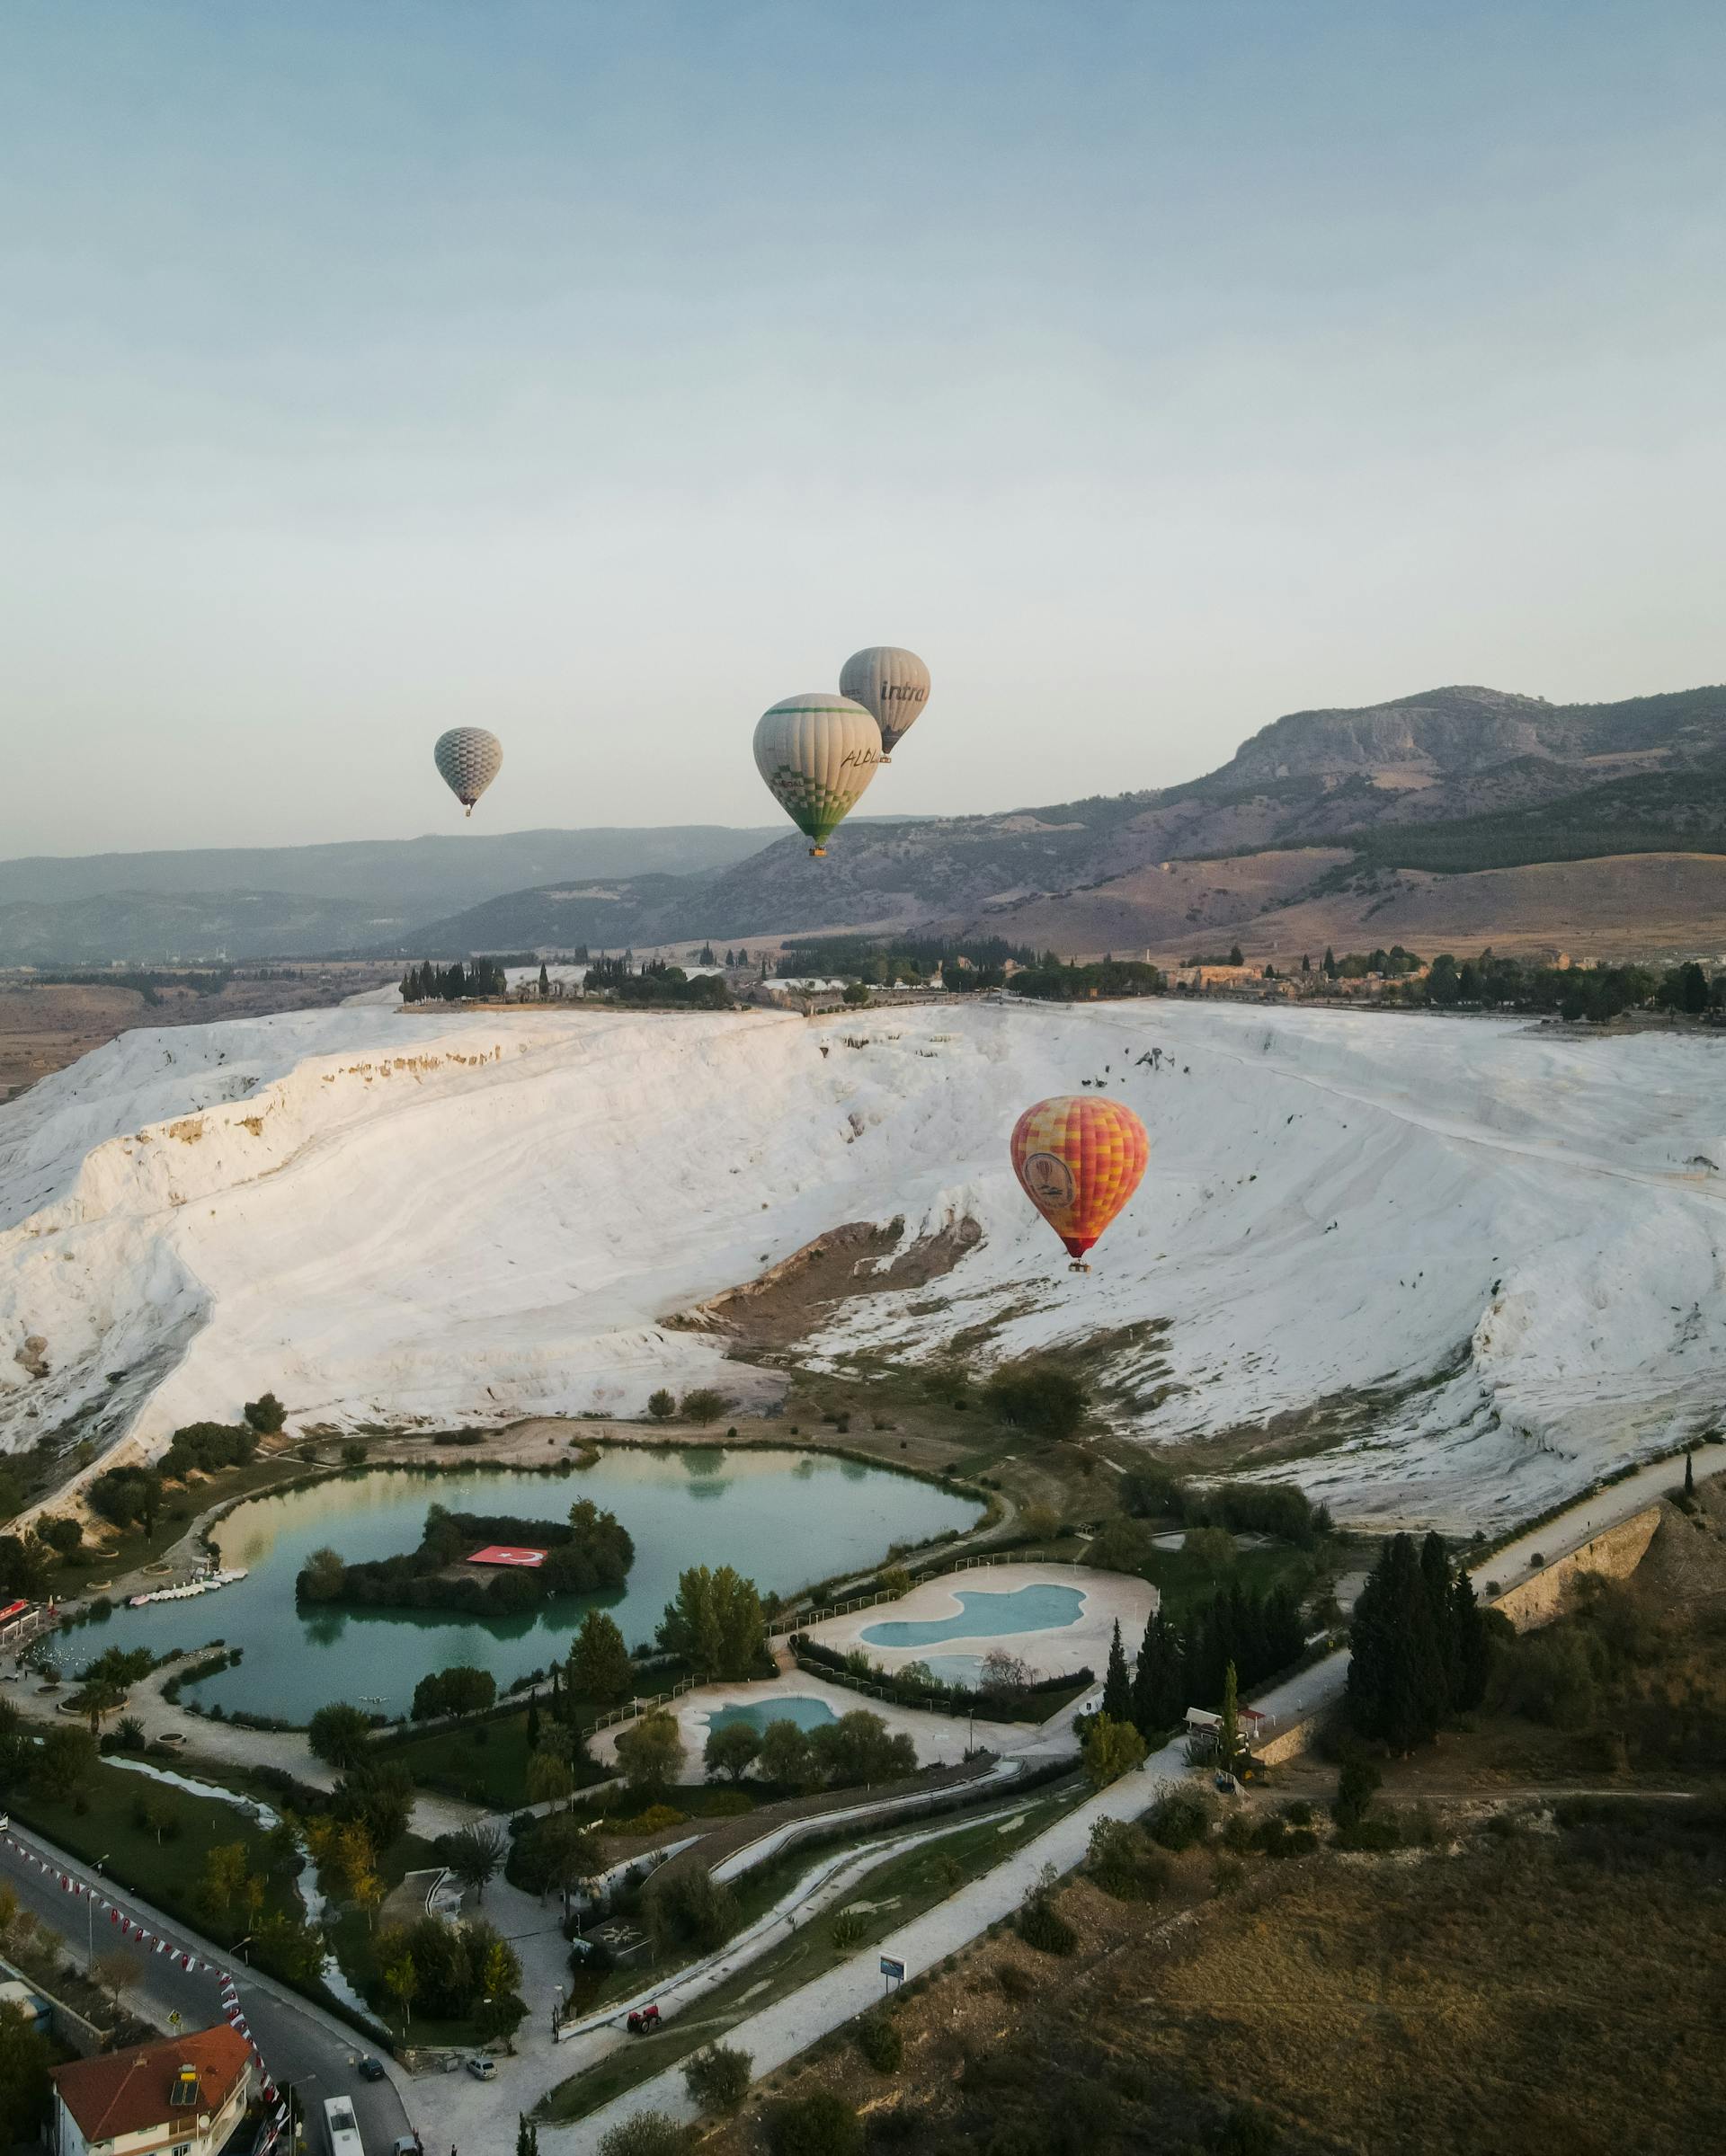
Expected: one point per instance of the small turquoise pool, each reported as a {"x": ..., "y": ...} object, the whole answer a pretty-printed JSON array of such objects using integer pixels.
[
  {"x": 806, "y": 1713},
  {"x": 981, "y": 1616}
]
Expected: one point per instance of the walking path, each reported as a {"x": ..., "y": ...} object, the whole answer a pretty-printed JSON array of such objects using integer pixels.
[{"x": 788, "y": 2025}]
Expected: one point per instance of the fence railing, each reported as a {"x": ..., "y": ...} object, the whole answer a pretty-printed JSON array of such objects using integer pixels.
[
  {"x": 805, "y": 1618},
  {"x": 635, "y": 1709}
]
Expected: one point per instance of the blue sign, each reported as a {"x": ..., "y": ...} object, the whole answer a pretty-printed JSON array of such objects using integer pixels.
[{"x": 894, "y": 1971}]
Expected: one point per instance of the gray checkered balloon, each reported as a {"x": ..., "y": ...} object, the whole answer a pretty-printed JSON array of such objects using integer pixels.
[{"x": 469, "y": 758}]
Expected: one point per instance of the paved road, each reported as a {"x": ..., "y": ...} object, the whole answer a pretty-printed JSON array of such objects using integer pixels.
[
  {"x": 300, "y": 2043},
  {"x": 1588, "y": 1515},
  {"x": 789, "y": 2026}
]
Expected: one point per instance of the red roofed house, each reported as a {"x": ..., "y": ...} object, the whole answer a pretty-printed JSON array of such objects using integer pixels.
[{"x": 183, "y": 2098}]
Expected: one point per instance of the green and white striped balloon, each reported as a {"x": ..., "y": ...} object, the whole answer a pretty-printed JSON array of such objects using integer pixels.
[{"x": 817, "y": 753}]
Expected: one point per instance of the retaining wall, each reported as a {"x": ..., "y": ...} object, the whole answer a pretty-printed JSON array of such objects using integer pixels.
[{"x": 1613, "y": 1554}]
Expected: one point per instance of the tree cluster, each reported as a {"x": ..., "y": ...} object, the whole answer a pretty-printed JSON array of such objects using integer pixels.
[
  {"x": 1187, "y": 1665},
  {"x": 1244, "y": 1508},
  {"x": 1419, "y": 1645},
  {"x": 458, "y": 1691},
  {"x": 449, "y": 1972},
  {"x": 481, "y": 978},
  {"x": 591, "y": 1552},
  {"x": 715, "y": 1623},
  {"x": 1038, "y": 1397},
  {"x": 128, "y": 1496},
  {"x": 856, "y": 1748},
  {"x": 656, "y": 982},
  {"x": 962, "y": 961},
  {"x": 1074, "y": 983},
  {"x": 207, "y": 1446}
]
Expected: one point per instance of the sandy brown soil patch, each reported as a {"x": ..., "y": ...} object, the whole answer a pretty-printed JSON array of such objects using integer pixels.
[{"x": 796, "y": 1296}]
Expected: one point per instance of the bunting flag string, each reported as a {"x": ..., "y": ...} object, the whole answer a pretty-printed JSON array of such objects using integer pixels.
[{"x": 193, "y": 1965}]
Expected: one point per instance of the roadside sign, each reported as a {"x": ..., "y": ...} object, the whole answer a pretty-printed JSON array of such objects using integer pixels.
[{"x": 894, "y": 1971}]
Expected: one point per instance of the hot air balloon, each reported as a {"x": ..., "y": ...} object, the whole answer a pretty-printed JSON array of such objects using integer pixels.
[
  {"x": 1080, "y": 1161},
  {"x": 817, "y": 754},
  {"x": 892, "y": 683},
  {"x": 469, "y": 760}
]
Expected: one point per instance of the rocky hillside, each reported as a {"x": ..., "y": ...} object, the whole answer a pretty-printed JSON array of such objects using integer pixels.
[{"x": 1457, "y": 780}]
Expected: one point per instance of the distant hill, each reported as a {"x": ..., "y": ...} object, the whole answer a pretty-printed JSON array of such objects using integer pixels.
[
  {"x": 266, "y": 901},
  {"x": 1319, "y": 804},
  {"x": 1329, "y": 804}
]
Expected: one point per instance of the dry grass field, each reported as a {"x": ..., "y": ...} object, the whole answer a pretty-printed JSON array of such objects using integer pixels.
[
  {"x": 44, "y": 1025},
  {"x": 1629, "y": 905},
  {"x": 1536, "y": 1964}
]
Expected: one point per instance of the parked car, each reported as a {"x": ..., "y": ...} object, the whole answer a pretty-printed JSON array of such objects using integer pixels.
[
  {"x": 643, "y": 2021},
  {"x": 370, "y": 2069},
  {"x": 482, "y": 2067},
  {"x": 408, "y": 2144}
]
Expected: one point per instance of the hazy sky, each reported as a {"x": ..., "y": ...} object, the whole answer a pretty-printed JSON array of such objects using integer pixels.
[{"x": 601, "y": 374}]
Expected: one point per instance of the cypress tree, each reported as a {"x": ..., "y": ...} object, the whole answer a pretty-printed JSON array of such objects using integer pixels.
[
  {"x": 1469, "y": 1646},
  {"x": 1117, "y": 1689},
  {"x": 1228, "y": 1737},
  {"x": 1396, "y": 1677},
  {"x": 1159, "y": 1688},
  {"x": 1689, "y": 1475},
  {"x": 1434, "y": 1573}
]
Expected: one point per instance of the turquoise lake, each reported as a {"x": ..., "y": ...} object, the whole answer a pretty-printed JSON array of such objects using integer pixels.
[
  {"x": 782, "y": 1518},
  {"x": 1034, "y": 1609}
]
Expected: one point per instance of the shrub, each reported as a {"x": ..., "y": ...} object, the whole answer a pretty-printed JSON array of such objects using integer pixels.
[
  {"x": 661, "y": 1406},
  {"x": 880, "y": 2042},
  {"x": 1245, "y": 2131},
  {"x": 1042, "y": 1925},
  {"x": 654, "y": 1820},
  {"x": 1036, "y": 1396},
  {"x": 266, "y": 1414},
  {"x": 1356, "y": 1786},
  {"x": 689, "y": 1908},
  {"x": 1123, "y": 1865},
  {"x": 819, "y": 2125},
  {"x": 719, "y": 2078},
  {"x": 704, "y": 1405},
  {"x": 848, "y": 1929},
  {"x": 647, "y": 2134},
  {"x": 1015, "y": 1980},
  {"x": 1179, "y": 1819},
  {"x": 1379, "y": 1833}
]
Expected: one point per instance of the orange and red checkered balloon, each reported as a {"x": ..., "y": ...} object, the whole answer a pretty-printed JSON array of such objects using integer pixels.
[{"x": 1080, "y": 1161}]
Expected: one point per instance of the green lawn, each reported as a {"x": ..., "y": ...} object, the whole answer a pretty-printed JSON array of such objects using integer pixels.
[
  {"x": 1185, "y": 1581},
  {"x": 98, "y": 1822},
  {"x": 902, "y": 1888},
  {"x": 487, "y": 1762}
]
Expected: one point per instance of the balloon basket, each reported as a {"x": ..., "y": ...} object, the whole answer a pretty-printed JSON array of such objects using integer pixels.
[
  {"x": 817, "y": 853},
  {"x": 1078, "y": 1265}
]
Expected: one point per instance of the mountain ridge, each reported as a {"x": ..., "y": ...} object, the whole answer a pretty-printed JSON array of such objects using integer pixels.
[{"x": 1458, "y": 779}]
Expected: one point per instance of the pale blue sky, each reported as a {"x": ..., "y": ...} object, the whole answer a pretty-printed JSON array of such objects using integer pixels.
[{"x": 601, "y": 374}]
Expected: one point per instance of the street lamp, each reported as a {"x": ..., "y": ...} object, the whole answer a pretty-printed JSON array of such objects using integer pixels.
[
  {"x": 304, "y": 2081},
  {"x": 90, "y": 1917}
]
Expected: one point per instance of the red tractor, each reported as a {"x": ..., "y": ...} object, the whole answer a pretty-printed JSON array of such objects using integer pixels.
[{"x": 644, "y": 2021}]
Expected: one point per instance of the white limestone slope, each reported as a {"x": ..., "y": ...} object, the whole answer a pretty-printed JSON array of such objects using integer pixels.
[{"x": 474, "y": 1216}]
